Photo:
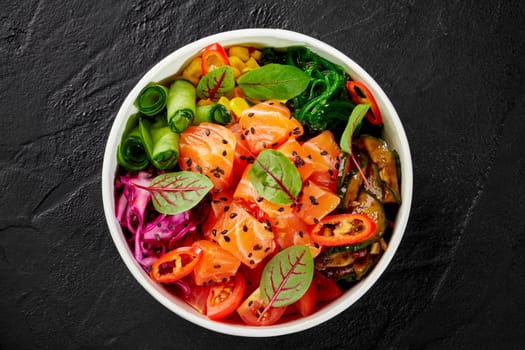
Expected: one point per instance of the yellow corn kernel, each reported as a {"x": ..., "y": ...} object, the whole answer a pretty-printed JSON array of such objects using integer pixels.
[
  {"x": 236, "y": 62},
  {"x": 193, "y": 71},
  {"x": 252, "y": 63},
  {"x": 256, "y": 54},
  {"x": 242, "y": 52},
  {"x": 225, "y": 102},
  {"x": 238, "y": 105},
  {"x": 236, "y": 72}
]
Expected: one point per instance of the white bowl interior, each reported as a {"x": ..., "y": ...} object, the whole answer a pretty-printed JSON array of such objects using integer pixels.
[{"x": 394, "y": 134}]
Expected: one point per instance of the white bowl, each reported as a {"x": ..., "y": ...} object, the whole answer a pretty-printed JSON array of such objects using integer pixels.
[{"x": 393, "y": 133}]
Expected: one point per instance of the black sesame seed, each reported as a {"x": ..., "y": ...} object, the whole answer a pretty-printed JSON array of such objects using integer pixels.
[
  {"x": 224, "y": 199},
  {"x": 223, "y": 232},
  {"x": 281, "y": 209},
  {"x": 250, "y": 254},
  {"x": 252, "y": 262},
  {"x": 243, "y": 157},
  {"x": 313, "y": 200},
  {"x": 251, "y": 114},
  {"x": 257, "y": 247},
  {"x": 216, "y": 266},
  {"x": 233, "y": 215},
  {"x": 214, "y": 232},
  {"x": 227, "y": 238},
  {"x": 301, "y": 234},
  {"x": 207, "y": 132},
  {"x": 252, "y": 130},
  {"x": 224, "y": 153},
  {"x": 226, "y": 208},
  {"x": 245, "y": 228},
  {"x": 316, "y": 221},
  {"x": 217, "y": 175},
  {"x": 224, "y": 141},
  {"x": 259, "y": 199},
  {"x": 324, "y": 153},
  {"x": 267, "y": 249},
  {"x": 188, "y": 162}
]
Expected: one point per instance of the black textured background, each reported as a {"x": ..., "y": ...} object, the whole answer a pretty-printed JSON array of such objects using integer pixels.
[{"x": 454, "y": 70}]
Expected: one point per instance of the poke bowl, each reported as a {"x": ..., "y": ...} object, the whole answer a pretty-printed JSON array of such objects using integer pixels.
[{"x": 257, "y": 182}]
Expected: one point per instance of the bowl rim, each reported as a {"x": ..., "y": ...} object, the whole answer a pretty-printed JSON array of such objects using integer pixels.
[{"x": 245, "y": 36}]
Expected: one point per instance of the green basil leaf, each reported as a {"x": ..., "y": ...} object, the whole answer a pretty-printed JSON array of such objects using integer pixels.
[
  {"x": 287, "y": 276},
  {"x": 173, "y": 193},
  {"x": 274, "y": 81},
  {"x": 354, "y": 121},
  {"x": 275, "y": 178},
  {"x": 216, "y": 83}
]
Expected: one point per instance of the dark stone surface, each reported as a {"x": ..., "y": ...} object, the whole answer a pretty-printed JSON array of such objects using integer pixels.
[{"x": 455, "y": 72}]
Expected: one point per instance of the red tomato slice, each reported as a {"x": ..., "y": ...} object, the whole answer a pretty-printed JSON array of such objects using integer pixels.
[
  {"x": 326, "y": 288},
  {"x": 268, "y": 125},
  {"x": 176, "y": 264},
  {"x": 243, "y": 236},
  {"x": 225, "y": 298},
  {"x": 306, "y": 305},
  {"x": 315, "y": 203},
  {"x": 252, "y": 307},
  {"x": 217, "y": 265},
  {"x": 326, "y": 157},
  {"x": 299, "y": 157},
  {"x": 208, "y": 149},
  {"x": 198, "y": 295}
]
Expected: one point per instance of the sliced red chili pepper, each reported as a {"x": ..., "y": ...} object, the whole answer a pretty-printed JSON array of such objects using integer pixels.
[
  {"x": 175, "y": 264},
  {"x": 214, "y": 56},
  {"x": 343, "y": 229},
  {"x": 361, "y": 94}
]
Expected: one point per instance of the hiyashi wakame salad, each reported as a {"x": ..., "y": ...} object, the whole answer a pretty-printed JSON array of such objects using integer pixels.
[{"x": 254, "y": 183}]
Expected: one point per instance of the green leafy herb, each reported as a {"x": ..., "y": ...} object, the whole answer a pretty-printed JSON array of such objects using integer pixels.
[
  {"x": 286, "y": 277},
  {"x": 216, "y": 83},
  {"x": 173, "y": 193},
  {"x": 353, "y": 123},
  {"x": 346, "y": 139},
  {"x": 274, "y": 81},
  {"x": 275, "y": 178}
]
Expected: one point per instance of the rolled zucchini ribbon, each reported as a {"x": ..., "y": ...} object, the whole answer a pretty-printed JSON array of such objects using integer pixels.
[
  {"x": 161, "y": 144},
  {"x": 131, "y": 153},
  {"x": 213, "y": 113},
  {"x": 180, "y": 105},
  {"x": 152, "y": 99}
]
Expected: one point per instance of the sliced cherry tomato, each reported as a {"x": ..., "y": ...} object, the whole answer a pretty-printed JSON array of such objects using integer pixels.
[
  {"x": 198, "y": 295},
  {"x": 176, "y": 264},
  {"x": 208, "y": 149},
  {"x": 326, "y": 156},
  {"x": 306, "y": 305},
  {"x": 361, "y": 94},
  {"x": 216, "y": 265},
  {"x": 268, "y": 125},
  {"x": 326, "y": 288},
  {"x": 250, "y": 311},
  {"x": 214, "y": 56},
  {"x": 343, "y": 229},
  {"x": 225, "y": 298}
]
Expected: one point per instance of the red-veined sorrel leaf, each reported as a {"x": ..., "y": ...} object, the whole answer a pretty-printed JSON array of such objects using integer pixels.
[
  {"x": 278, "y": 81},
  {"x": 173, "y": 193},
  {"x": 354, "y": 121},
  {"x": 287, "y": 276},
  {"x": 218, "y": 82},
  {"x": 275, "y": 178}
]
